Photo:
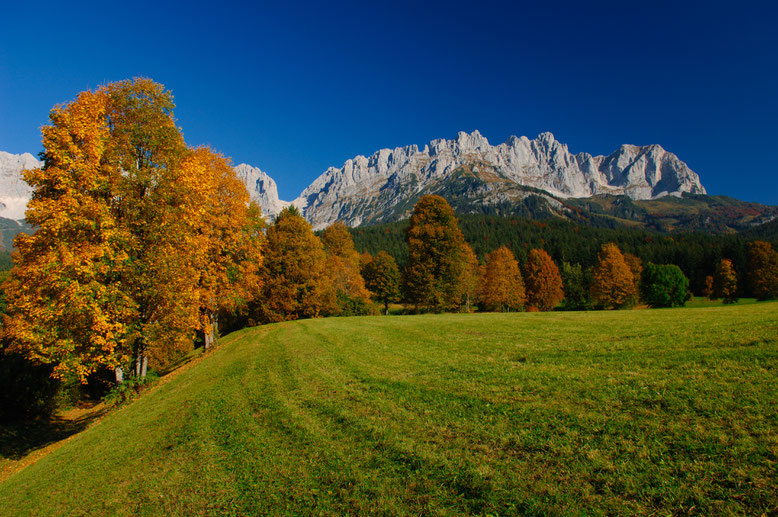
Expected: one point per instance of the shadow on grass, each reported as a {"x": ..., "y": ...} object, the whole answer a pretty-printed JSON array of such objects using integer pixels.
[{"x": 18, "y": 439}]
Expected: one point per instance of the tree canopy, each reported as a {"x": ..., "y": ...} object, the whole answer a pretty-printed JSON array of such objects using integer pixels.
[{"x": 433, "y": 275}]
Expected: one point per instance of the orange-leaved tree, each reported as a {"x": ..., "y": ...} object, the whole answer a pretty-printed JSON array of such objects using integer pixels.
[
  {"x": 295, "y": 283},
  {"x": 542, "y": 281},
  {"x": 707, "y": 288},
  {"x": 67, "y": 306},
  {"x": 433, "y": 275},
  {"x": 343, "y": 268},
  {"x": 635, "y": 266},
  {"x": 230, "y": 234},
  {"x": 501, "y": 287},
  {"x": 763, "y": 270},
  {"x": 613, "y": 284},
  {"x": 725, "y": 282}
]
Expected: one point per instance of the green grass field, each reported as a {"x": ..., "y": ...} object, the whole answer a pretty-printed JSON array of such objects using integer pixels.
[{"x": 649, "y": 412}]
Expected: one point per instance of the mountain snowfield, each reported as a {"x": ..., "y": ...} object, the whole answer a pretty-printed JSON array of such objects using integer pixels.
[{"x": 380, "y": 187}]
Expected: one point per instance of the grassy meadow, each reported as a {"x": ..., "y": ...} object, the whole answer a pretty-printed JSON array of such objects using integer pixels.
[{"x": 648, "y": 412}]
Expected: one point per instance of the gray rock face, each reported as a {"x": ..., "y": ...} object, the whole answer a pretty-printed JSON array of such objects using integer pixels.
[
  {"x": 367, "y": 188},
  {"x": 14, "y": 192},
  {"x": 261, "y": 188}
]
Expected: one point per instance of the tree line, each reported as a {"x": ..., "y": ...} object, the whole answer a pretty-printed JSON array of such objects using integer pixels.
[{"x": 146, "y": 246}]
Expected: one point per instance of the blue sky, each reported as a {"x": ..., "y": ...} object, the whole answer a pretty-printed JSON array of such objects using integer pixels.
[{"x": 295, "y": 88}]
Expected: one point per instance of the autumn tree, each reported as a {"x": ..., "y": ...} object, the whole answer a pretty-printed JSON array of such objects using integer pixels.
[
  {"x": 382, "y": 278},
  {"x": 613, "y": 285},
  {"x": 433, "y": 275},
  {"x": 115, "y": 272},
  {"x": 471, "y": 275},
  {"x": 725, "y": 282},
  {"x": 67, "y": 305},
  {"x": 501, "y": 286},
  {"x": 664, "y": 286},
  {"x": 763, "y": 270},
  {"x": 635, "y": 266},
  {"x": 343, "y": 268},
  {"x": 542, "y": 281},
  {"x": 230, "y": 231},
  {"x": 158, "y": 210},
  {"x": 707, "y": 289},
  {"x": 295, "y": 283}
]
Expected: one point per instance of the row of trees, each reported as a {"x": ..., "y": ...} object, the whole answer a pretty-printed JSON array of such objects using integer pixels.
[{"x": 696, "y": 254}]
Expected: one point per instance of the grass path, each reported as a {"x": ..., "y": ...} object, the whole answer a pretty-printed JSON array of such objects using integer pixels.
[{"x": 629, "y": 412}]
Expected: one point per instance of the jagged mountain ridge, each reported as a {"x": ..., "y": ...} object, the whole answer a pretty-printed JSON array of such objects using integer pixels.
[{"x": 370, "y": 189}]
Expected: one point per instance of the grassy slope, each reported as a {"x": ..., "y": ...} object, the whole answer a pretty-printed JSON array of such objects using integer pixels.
[{"x": 611, "y": 412}]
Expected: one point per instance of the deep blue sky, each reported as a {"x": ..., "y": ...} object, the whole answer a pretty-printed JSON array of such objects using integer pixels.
[{"x": 295, "y": 88}]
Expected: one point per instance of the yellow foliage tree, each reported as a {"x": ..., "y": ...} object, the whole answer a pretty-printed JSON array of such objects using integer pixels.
[
  {"x": 295, "y": 283},
  {"x": 613, "y": 284},
  {"x": 230, "y": 244},
  {"x": 501, "y": 286},
  {"x": 471, "y": 274},
  {"x": 542, "y": 281},
  {"x": 67, "y": 306},
  {"x": 382, "y": 277},
  {"x": 725, "y": 282},
  {"x": 343, "y": 268}
]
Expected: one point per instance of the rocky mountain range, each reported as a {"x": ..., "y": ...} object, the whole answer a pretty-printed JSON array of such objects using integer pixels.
[
  {"x": 519, "y": 176},
  {"x": 378, "y": 188}
]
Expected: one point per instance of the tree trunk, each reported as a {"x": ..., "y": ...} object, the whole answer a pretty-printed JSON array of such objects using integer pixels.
[
  {"x": 119, "y": 375},
  {"x": 144, "y": 366},
  {"x": 209, "y": 338},
  {"x": 386, "y": 307}
]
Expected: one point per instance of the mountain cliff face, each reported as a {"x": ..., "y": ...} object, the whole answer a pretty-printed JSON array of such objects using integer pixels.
[
  {"x": 378, "y": 188},
  {"x": 261, "y": 188}
]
